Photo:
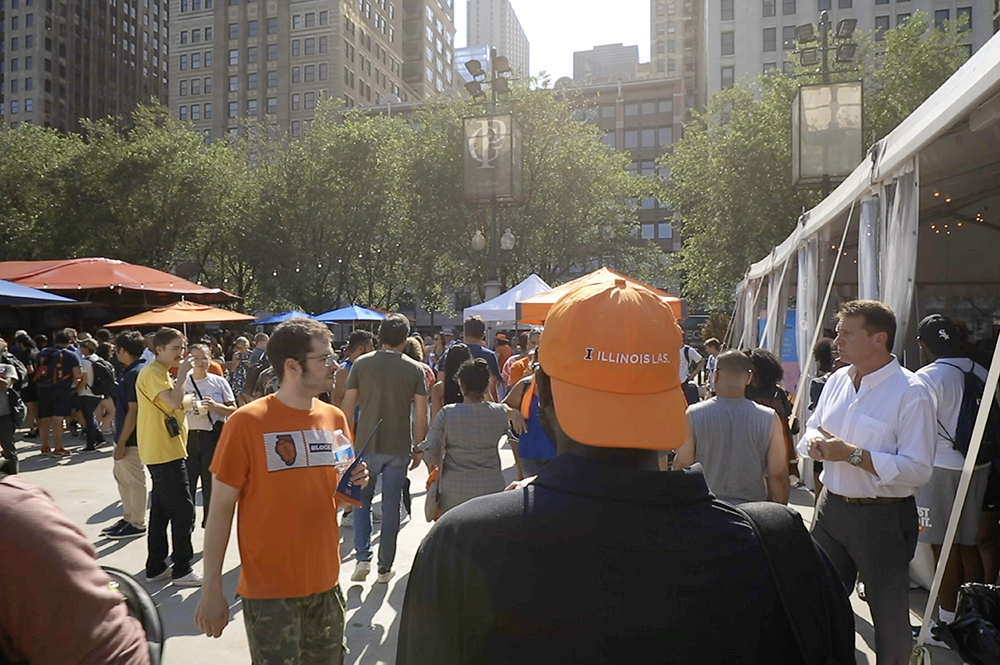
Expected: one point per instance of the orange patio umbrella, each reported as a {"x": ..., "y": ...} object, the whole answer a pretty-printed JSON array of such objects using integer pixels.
[
  {"x": 182, "y": 312},
  {"x": 534, "y": 309}
]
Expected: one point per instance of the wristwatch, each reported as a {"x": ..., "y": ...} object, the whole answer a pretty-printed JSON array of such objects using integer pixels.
[{"x": 854, "y": 459}]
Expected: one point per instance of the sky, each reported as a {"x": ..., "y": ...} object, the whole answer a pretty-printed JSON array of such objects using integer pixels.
[{"x": 557, "y": 28}]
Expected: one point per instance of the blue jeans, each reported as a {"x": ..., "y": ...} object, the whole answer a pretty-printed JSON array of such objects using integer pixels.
[{"x": 393, "y": 470}]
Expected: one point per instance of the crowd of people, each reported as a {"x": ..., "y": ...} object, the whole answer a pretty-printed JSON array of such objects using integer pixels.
[{"x": 634, "y": 452}]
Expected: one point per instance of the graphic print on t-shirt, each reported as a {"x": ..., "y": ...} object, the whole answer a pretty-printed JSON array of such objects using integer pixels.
[{"x": 297, "y": 450}]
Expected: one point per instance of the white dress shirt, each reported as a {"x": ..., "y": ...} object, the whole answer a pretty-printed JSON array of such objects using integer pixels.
[
  {"x": 892, "y": 416},
  {"x": 945, "y": 377}
]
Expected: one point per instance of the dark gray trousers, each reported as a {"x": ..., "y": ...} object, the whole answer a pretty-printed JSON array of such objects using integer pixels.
[{"x": 877, "y": 541}]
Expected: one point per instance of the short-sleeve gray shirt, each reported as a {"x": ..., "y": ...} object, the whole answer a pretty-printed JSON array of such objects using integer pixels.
[{"x": 386, "y": 382}]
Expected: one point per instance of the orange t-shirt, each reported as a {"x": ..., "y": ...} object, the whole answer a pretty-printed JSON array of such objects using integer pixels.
[
  {"x": 518, "y": 369},
  {"x": 281, "y": 460},
  {"x": 215, "y": 368}
]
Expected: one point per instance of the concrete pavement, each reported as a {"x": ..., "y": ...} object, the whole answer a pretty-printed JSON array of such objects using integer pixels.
[{"x": 83, "y": 486}]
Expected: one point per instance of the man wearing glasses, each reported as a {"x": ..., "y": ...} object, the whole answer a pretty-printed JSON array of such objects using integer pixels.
[
  {"x": 275, "y": 460},
  {"x": 385, "y": 383}
]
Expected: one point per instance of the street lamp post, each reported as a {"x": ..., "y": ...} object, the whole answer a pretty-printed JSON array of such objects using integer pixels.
[{"x": 492, "y": 160}]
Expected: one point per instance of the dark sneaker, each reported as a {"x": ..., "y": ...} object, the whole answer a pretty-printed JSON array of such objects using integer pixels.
[
  {"x": 125, "y": 532},
  {"x": 114, "y": 527}
]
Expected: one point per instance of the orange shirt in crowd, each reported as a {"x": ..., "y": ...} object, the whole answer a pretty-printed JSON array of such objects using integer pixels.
[
  {"x": 215, "y": 368},
  {"x": 281, "y": 460},
  {"x": 518, "y": 369}
]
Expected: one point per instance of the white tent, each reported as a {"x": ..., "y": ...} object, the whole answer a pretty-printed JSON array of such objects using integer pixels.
[
  {"x": 916, "y": 225},
  {"x": 504, "y": 306}
]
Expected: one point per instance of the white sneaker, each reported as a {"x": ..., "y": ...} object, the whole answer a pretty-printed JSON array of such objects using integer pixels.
[
  {"x": 191, "y": 579},
  {"x": 162, "y": 576},
  {"x": 384, "y": 576},
  {"x": 361, "y": 571}
]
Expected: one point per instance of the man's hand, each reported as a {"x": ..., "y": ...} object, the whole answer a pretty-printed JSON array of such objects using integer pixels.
[
  {"x": 416, "y": 456},
  {"x": 185, "y": 367},
  {"x": 119, "y": 453},
  {"x": 831, "y": 448},
  {"x": 360, "y": 475},
  {"x": 212, "y": 614},
  {"x": 519, "y": 484}
]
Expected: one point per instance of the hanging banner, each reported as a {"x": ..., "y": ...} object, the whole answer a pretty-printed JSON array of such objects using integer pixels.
[
  {"x": 827, "y": 140},
  {"x": 493, "y": 162}
]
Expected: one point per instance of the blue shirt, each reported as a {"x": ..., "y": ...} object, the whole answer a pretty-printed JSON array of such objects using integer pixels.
[
  {"x": 477, "y": 351},
  {"x": 124, "y": 394},
  {"x": 533, "y": 442}
]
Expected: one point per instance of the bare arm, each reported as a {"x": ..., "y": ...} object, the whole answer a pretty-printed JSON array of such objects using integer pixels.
[
  {"x": 493, "y": 388},
  {"x": 420, "y": 427},
  {"x": 513, "y": 398},
  {"x": 339, "y": 386},
  {"x": 212, "y": 614},
  {"x": 350, "y": 402},
  {"x": 437, "y": 398},
  {"x": 77, "y": 376},
  {"x": 687, "y": 452},
  {"x": 778, "y": 485},
  {"x": 174, "y": 398}
]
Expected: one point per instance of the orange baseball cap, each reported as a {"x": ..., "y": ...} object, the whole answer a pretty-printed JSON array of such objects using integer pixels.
[{"x": 611, "y": 351}]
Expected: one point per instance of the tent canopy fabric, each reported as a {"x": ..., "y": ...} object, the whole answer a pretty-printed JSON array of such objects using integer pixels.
[
  {"x": 504, "y": 306},
  {"x": 12, "y": 294},
  {"x": 349, "y": 314},
  {"x": 534, "y": 310},
  {"x": 89, "y": 274},
  {"x": 281, "y": 318},
  {"x": 180, "y": 313}
]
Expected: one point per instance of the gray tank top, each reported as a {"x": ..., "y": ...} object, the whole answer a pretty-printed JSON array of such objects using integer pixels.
[{"x": 731, "y": 439}]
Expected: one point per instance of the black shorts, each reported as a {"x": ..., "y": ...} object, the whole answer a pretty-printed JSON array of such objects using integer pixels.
[
  {"x": 30, "y": 393},
  {"x": 55, "y": 402},
  {"x": 991, "y": 501}
]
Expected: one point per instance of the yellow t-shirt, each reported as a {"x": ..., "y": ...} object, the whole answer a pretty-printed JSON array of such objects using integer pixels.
[{"x": 156, "y": 446}]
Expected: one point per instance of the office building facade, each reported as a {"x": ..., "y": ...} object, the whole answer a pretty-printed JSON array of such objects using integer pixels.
[
  {"x": 234, "y": 61},
  {"x": 62, "y": 61},
  {"x": 676, "y": 46},
  {"x": 605, "y": 64},
  {"x": 643, "y": 118},
  {"x": 745, "y": 38},
  {"x": 429, "y": 46},
  {"x": 494, "y": 22}
]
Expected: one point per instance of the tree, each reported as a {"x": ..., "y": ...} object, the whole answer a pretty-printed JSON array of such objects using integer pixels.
[{"x": 731, "y": 173}]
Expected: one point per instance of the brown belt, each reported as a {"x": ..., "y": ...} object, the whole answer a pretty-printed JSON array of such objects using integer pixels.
[{"x": 868, "y": 500}]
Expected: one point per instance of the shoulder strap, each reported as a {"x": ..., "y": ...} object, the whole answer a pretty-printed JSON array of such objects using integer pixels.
[
  {"x": 195, "y": 384},
  {"x": 797, "y": 574}
]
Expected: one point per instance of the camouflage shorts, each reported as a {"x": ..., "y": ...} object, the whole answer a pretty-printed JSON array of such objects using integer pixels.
[{"x": 296, "y": 631}]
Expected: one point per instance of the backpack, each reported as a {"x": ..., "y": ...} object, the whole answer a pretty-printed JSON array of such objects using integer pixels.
[
  {"x": 972, "y": 395},
  {"x": 50, "y": 367},
  {"x": 104, "y": 377},
  {"x": 253, "y": 374},
  {"x": 8, "y": 358}
]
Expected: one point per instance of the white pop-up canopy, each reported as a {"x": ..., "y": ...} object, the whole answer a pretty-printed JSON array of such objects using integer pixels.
[{"x": 504, "y": 306}]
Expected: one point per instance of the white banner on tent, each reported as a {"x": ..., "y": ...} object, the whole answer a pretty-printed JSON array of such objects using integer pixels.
[{"x": 503, "y": 308}]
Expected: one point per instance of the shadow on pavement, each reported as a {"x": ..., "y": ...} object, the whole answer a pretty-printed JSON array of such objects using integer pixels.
[
  {"x": 177, "y": 604},
  {"x": 112, "y": 510}
]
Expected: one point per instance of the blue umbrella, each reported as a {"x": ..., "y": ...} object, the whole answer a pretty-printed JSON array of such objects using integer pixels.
[
  {"x": 350, "y": 313},
  {"x": 281, "y": 318},
  {"x": 15, "y": 294}
]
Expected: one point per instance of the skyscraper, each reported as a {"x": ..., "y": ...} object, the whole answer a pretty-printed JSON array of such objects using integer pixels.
[
  {"x": 276, "y": 60},
  {"x": 602, "y": 64},
  {"x": 676, "y": 46},
  {"x": 65, "y": 60},
  {"x": 494, "y": 22},
  {"x": 429, "y": 45}
]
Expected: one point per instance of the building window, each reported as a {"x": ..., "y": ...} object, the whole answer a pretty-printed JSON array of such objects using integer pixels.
[
  {"x": 296, "y": 101},
  {"x": 208, "y": 85},
  {"x": 324, "y": 17},
  {"x": 296, "y": 75},
  {"x": 666, "y": 106},
  {"x": 196, "y": 111},
  {"x": 787, "y": 7},
  {"x": 324, "y": 44},
  {"x": 940, "y": 17},
  {"x": 272, "y": 51},
  {"x": 964, "y": 17},
  {"x": 770, "y": 40},
  {"x": 251, "y": 28},
  {"x": 881, "y": 25},
  {"x": 631, "y": 139},
  {"x": 272, "y": 104},
  {"x": 195, "y": 86},
  {"x": 296, "y": 129},
  {"x": 631, "y": 110},
  {"x": 322, "y": 71},
  {"x": 788, "y": 37},
  {"x": 310, "y": 73},
  {"x": 649, "y": 108},
  {"x": 769, "y": 9},
  {"x": 184, "y": 36},
  {"x": 728, "y": 43},
  {"x": 272, "y": 79},
  {"x": 310, "y": 100},
  {"x": 234, "y": 56},
  {"x": 665, "y": 136},
  {"x": 768, "y": 66},
  {"x": 234, "y": 109},
  {"x": 608, "y": 111},
  {"x": 196, "y": 61},
  {"x": 648, "y": 138},
  {"x": 272, "y": 26},
  {"x": 234, "y": 30},
  {"x": 296, "y": 47},
  {"x": 845, "y": 4},
  {"x": 648, "y": 231},
  {"x": 252, "y": 81},
  {"x": 252, "y": 54},
  {"x": 184, "y": 88},
  {"x": 728, "y": 77},
  {"x": 311, "y": 46},
  {"x": 664, "y": 231},
  {"x": 727, "y": 10},
  {"x": 902, "y": 18},
  {"x": 251, "y": 107},
  {"x": 234, "y": 83},
  {"x": 296, "y": 21},
  {"x": 208, "y": 111},
  {"x": 311, "y": 20},
  {"x": 182, "y": 113},
  {"x": 824, "y": 5}
]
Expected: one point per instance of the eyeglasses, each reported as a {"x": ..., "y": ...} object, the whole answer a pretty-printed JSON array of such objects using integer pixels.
[{"x": 329, "y": 359}]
